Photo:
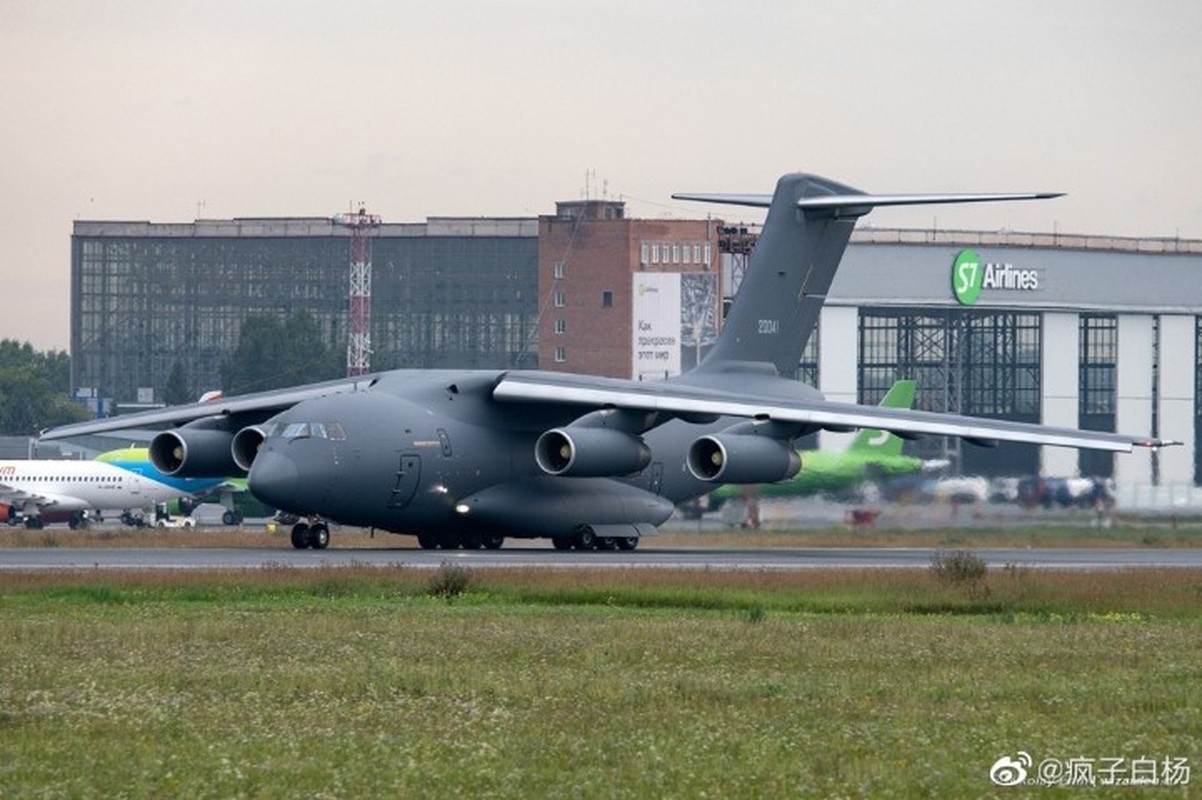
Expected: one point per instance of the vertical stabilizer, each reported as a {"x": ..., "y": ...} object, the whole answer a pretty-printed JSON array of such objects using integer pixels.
[
  {"x": 809, "y": 223},
  {"x": 786, "y": 282},
  {"x": 884, "y": 443}
]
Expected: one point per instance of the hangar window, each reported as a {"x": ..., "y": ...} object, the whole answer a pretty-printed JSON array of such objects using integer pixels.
[
  {"x": 981, "y": 363},
  {"x": 1097, "y": 387},
  {"x": 1197, "y": 399},
  {"x": 1098, "y": 358}
]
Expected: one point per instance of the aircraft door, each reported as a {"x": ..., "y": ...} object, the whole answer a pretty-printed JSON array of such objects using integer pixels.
[
  {"x": 408, "y": 477},
  {"x": 657, "y": 477},
  {"x": 135, "y": 484}
]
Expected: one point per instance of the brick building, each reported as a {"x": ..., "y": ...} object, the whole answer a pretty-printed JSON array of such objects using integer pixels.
[{"x": 625, "y": 297}]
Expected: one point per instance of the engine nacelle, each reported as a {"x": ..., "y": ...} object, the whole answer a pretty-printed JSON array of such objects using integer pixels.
[
  {"x": 246, "y": 446},
  {"x": 584, "y": 452},
  {"x": 742, "y": 458},
  {"x": 189, "y": 452}
]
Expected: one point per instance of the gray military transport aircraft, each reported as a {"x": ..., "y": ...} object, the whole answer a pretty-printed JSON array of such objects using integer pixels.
[{"x": 466, "y": 458}]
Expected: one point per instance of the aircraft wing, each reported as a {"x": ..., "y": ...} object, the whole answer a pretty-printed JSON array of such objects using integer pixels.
[
  {"x": 265, "y": 404},
  {"x": 683, "y": 399},
  {"x": 19, "y": 498},
  {"x": 674, "y": 398}
]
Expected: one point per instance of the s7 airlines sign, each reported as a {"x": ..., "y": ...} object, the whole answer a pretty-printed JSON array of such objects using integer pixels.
[{"x": 970, "y": 276}]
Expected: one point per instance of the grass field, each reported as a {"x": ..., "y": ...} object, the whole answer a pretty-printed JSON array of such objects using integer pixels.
[{"x": 612, "y": 683}]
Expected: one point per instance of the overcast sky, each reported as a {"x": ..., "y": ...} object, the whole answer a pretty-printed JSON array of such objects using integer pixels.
[{"x": 166, "y": 111}]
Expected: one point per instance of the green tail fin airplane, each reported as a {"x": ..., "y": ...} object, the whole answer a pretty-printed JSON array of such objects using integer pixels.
[{"x": 872, "y": 455}]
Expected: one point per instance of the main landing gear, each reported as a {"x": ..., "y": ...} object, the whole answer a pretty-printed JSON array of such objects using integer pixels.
[
  {"x": 467, "y": 541},
  {"x": 586, "y": 539},
  {"x": 315, "y": 535}
]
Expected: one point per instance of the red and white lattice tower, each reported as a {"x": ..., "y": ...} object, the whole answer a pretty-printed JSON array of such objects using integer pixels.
[{"x": 358, "y": 345}]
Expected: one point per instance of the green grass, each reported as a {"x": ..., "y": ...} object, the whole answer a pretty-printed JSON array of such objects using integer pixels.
[{"x": 573, "y": 683}]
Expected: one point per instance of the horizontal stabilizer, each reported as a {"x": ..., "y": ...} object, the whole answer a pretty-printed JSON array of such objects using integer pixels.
[
  {"x": 860, "y": 204},
  {"x": 754, "y": 200}
]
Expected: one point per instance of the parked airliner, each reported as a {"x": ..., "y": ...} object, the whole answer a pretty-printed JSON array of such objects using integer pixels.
[{"x": 37, "y": 492}]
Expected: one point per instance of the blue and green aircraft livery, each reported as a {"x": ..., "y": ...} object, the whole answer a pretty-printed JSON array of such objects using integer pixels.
[
  {"x": 872, "y": 455},
  {"x": 137, "y": 460}
]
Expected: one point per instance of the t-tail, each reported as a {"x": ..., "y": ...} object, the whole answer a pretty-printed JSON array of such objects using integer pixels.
[
  {"x": 809, "y": 223},
  {"x": 885, "y": 443}
]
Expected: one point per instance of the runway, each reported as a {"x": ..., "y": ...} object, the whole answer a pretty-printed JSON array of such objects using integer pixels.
[{"x": 55, "y": 558}]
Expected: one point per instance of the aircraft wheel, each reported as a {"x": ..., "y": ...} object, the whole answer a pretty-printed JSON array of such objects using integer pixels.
[
  {"x": 319, "y": 536},
  {"x": 493, "y": 541},
  {"x": 606, "y": 543},
  {"x": 300, "y": 536},
  {"x": 427, "y": 541},
  {"x": 231, "y": 518},
  {"x": 586, "y": 539},
  {"x": 627, "y": 542},
  {"x": 563, "y": 542},
  {"x": 471, "y": 541},
  {"x": 448, "y": 541},
  {"x": 33, "y": 523}
]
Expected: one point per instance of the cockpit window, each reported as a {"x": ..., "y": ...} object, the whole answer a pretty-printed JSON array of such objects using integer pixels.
[
  {"x": 296, "y": 430},
  {"x": 306, "y": 430}
]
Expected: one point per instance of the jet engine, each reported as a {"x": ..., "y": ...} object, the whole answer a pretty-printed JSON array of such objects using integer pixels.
[
  {"x": 200, "y": 451},
  {"x": 246, "y": 445},
  {"x": 730, "y": 457},
  {"x": 587, "y": 452}
]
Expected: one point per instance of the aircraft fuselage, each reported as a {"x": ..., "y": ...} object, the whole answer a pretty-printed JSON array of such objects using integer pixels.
[{"x": 431, "y": 451}]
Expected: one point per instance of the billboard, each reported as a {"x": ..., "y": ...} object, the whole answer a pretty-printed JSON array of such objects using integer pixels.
[{"x": 674, "y": 318}]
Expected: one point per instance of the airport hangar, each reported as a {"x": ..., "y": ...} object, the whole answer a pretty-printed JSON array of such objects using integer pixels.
[{"x": 1084, "y": 331}]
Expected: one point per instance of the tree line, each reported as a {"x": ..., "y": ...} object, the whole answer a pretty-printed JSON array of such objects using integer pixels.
[{"x": 35, "y": 389}]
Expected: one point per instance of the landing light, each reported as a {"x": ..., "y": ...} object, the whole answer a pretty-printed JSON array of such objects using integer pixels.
[{"x": 462, "y": 508}]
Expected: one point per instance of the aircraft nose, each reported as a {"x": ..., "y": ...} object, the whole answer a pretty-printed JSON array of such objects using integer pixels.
[{"x": 273, "y": 479}]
